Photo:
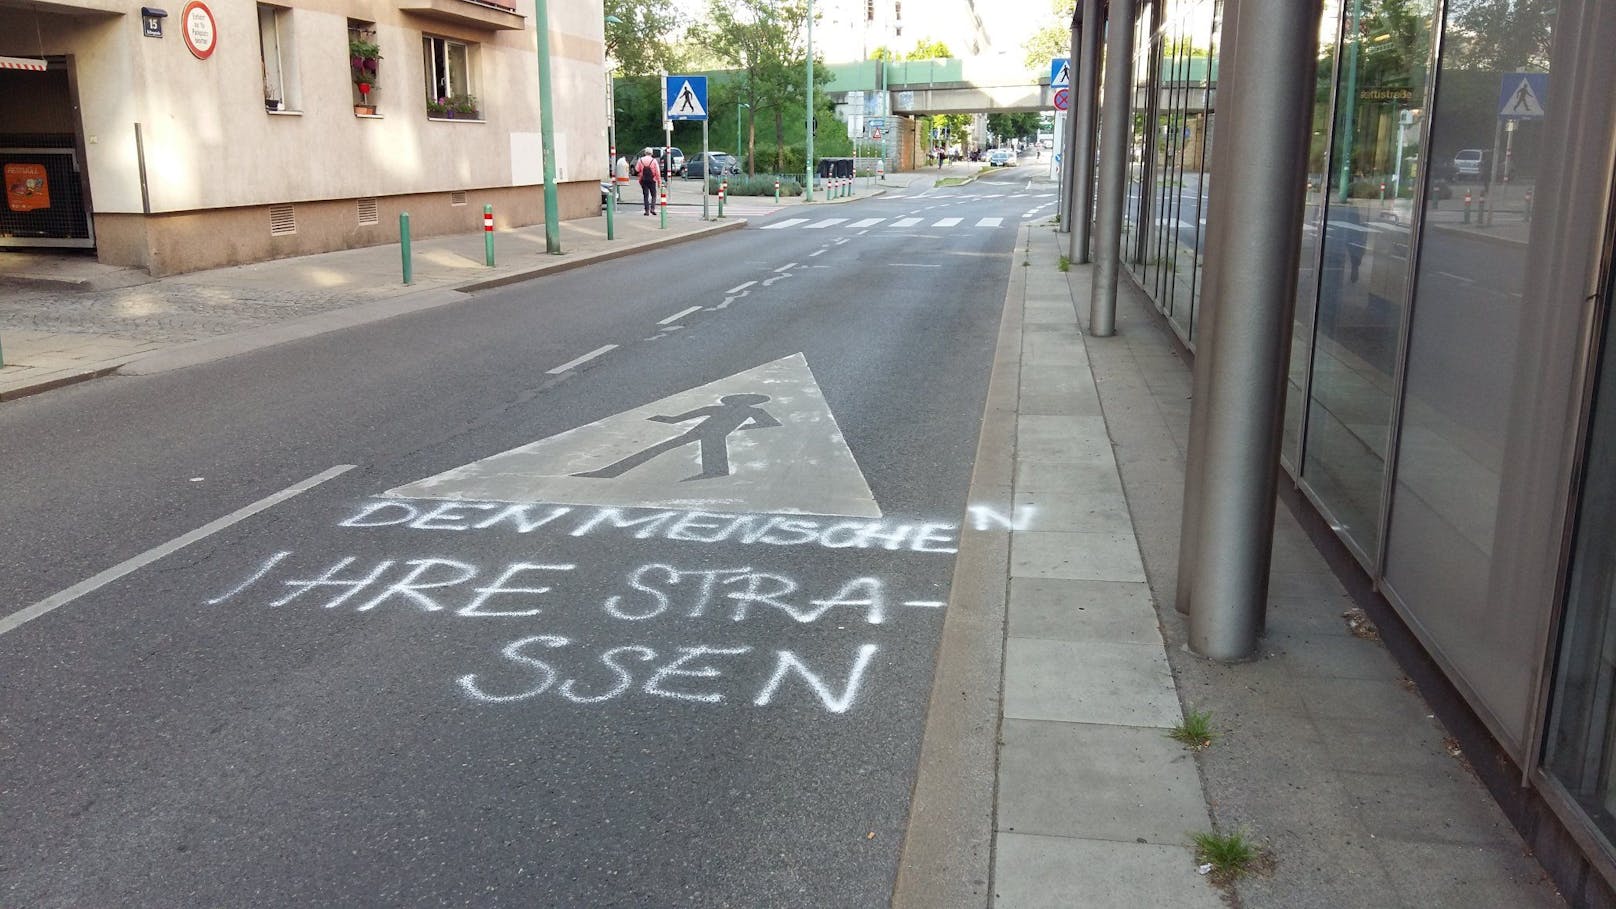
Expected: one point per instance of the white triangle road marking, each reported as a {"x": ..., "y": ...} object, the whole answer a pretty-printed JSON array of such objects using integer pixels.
[{"x": 760, "y": 441}]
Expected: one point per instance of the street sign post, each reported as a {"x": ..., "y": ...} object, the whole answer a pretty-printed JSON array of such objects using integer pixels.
[
  {"x": 685, "y": 98},
  {"x": 1060, "y": 72},
  {"x": 1523, "y": 96}
]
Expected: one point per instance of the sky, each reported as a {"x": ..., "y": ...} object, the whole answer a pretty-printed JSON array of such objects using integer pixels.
[{"x": 1009, "y": 23}]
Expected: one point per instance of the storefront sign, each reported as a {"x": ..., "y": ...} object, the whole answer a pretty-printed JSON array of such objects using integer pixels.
[
  {"x": 27, "y": 187},
  {"x": 1395, "y": 94},
  {"x": 201, "y": 32}
]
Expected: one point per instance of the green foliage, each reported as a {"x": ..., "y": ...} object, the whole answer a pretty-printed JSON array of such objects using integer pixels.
[
  {"x": 464, "y": 104},
  {"x": 1052, "y": 40},
  {"x": 763, "y": 41},
  {"x": 1231, "y": 855},
  {"x": 1014, "y": 126},
  {"x": 1195, "y": 730},
  {"x": 760, "y": 185},
  {"x": 929, "y": 49},
  {"x": 1065, "y": 264},
  {"x": 638, "y": 39}
]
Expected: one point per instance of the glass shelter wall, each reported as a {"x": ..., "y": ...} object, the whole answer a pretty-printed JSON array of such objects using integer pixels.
[{"x": 1166, "y": 221}]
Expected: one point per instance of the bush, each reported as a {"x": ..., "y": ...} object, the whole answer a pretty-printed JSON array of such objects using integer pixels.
[{"x": 760, "y": 185}]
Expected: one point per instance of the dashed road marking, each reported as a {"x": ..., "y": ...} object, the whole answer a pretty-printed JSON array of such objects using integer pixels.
[
  {"x": 581, "y": 360},
  {"x": 679, "y": 315}
]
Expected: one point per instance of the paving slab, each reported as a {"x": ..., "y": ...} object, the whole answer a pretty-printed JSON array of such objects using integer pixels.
[{"x": 1053, "y": 872}]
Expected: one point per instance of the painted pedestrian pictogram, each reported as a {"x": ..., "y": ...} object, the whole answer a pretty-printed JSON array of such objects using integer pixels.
[
  {"x": 763, "y": 440},
  {"x": 732, "y": 413}
]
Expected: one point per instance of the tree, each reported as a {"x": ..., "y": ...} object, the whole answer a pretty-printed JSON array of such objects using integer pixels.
[
  {"x": 1013, "y": 126},
  {"x": 1054, "y": 39},
  {"x": 639, "y": 38},
  {"x": 763, "y": 41},
  {"x": 928, "y": 49}
]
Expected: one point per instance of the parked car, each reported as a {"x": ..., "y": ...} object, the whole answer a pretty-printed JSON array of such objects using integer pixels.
[
  {"x": 1471, "y": 162},
  {"x": 670, "y": 159},
  {"x": 1002, "y": 157},
  {"x": 717, "y": 163}
]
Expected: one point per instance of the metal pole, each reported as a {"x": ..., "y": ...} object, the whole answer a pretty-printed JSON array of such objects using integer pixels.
[
  {"x": 1114, "y": 128},
  {"x": 1355, "y": 35},
  {"x": 808, "y": 188},
  {"x": 705, "y": 165},
  {"x": 1086, "y": 75},
  {"x": 488, "y": 234},
  {"x": 1066, "y": 144},
  {"x": 404, "y": 245},
  {"x": 1267, "y": 109},
  {"x": 611, "y": 214},
  {"x": 1189, "y": 540},
  {"x": 552, "y": 210}
]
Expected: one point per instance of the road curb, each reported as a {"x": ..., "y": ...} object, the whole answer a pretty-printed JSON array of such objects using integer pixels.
[
  {"x": 1473, "y": 234},
  {"x": 603, "y": 256},
  {"x": 947, "y": 857},
  {"x": 93, "y": 372}
]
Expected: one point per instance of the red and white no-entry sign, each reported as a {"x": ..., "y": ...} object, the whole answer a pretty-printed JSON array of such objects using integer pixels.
[{"x": 1062, "y": 98}]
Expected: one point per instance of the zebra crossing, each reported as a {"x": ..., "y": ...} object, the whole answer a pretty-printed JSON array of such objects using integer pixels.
[{"x": 866, "y": 223}]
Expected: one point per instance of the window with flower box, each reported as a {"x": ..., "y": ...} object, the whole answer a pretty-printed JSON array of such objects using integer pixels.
[{"x": 450, "y": 91}]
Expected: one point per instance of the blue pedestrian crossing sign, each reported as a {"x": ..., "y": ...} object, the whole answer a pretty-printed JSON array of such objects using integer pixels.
[
  {"x": 687, "y": 97},
  {"x": 1060, "y": 72},
  {"x": 1523, "y": 96}
]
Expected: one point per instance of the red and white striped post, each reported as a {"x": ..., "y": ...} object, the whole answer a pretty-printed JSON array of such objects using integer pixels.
[{"x": 488, "y": 235}]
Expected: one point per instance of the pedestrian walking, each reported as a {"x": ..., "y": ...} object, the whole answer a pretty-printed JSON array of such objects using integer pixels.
[{"x": 650, "y": 175}]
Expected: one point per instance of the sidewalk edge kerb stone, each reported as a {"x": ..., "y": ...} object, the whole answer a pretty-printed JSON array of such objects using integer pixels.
[
  {"x": 947, "y": 856},
  {"x": 561, "y": 265}
]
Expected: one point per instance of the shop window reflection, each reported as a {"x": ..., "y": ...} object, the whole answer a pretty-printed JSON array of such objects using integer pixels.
[{"x": 1364, "y": 269}]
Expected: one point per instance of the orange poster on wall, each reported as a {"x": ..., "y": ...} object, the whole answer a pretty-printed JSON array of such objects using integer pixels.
[{"x": 27, "y": 187}]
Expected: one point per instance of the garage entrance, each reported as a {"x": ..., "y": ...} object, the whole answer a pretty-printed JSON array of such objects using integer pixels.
[{"x": 46, "y": 200}]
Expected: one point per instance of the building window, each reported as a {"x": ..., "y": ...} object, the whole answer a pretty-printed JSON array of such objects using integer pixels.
[
  {"x": 277, "y": 54},
  {"x": 448, "y": 67},
  {"x": 364, "y": 64}
]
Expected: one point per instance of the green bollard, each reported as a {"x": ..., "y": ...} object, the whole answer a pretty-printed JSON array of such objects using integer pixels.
[
  {"x": 488, "y": 235},
  {"x": 404, "y": 244},
  {"x": 662, "y": 207},
  {"x": 722, "y": 187},
  {"x": 777, "y": 191},
  {"x": 611, "y": 214}
]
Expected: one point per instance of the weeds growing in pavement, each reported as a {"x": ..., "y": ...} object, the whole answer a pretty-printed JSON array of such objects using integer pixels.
[
  {"x": 1065, "y": 263},
  {"x": 1195, "y": 730},
  {"x": 1232, "y": 855}
]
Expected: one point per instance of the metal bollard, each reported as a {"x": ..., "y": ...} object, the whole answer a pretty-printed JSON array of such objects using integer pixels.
[
  {"x": 662, "y": 205},
  {"x": 611, "y": 215},
  {"x": 404, "y": 244},
  {"x": 776, "y": 190},
  {"x": 1528, "y": 209},
  {"x": 723, "y": 187},
  {"x": 1467, "y": 207},
  {"x": 488, "y": 235}
]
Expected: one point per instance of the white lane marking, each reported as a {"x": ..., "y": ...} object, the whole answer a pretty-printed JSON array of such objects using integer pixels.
[
  {"x": 905, "y": 222},
  {"x": 947, "y": 222},
  {"x": 865, "y": 222},
  {"x": 781, "y": 225},
  {"x": 62, "y": 598},
  {"x": 817, "y": 252},
  {"x": 989, "y": 222},
  {"x": 679, "y": 315},
  {"x": 863, "y": 232},
  {"x": 740, "y": 287},
  {"x": 581, "y": 360},
  {"x": 840, "y": 240},
  {"x": 912, "y": 265},
  {"x": 823, "y": 223},
  {"x": 770, "y": 281},
  {"x": 786, "y": 267},
  {"x": 926, "y": 604}
]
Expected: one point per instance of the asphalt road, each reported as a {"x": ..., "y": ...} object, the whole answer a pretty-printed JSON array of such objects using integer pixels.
[{"x": 647, "y": 692}]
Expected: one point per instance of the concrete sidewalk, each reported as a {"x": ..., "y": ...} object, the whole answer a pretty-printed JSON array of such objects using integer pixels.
[
  {"x": 1325, "y": 756},
  {"x": 64, "y": 319}
]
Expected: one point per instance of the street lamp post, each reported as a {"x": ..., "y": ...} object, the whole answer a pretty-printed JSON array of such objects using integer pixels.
[
  {"x": 552, "y": 209},
  {"x": 808, "y": 166}
]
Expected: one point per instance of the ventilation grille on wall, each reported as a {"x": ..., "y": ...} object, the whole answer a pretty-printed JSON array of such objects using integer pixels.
[
  {"x": 367, "y": 212},
  {"x": 458, "y": 198},
  {"x": 282, "y": 221}
]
